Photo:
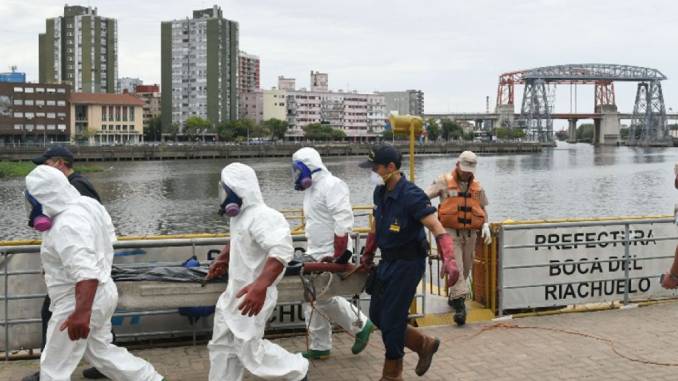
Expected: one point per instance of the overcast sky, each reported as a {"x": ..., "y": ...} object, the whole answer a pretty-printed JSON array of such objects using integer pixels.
[{"x": 452, "y": 50}]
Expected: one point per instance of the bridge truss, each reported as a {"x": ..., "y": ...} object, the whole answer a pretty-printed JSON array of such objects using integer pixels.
[{"x": 648, "y": 126}]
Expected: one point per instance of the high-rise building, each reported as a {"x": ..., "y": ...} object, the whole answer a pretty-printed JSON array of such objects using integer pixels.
[
  {"x": 408, "y": 102},
  {"x": 127, "y": 85},
  {"x": 250, "y": 71},
  {"x": 199, "y": 58},
  {"x": 249, "y": 95},
  {"x": 80, "y": 48}
]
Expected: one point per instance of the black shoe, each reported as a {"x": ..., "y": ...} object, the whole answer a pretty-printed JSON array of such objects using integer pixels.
[
  {"x": 33, "y": 377},
  {"x": 459, "y": 310},
  {"x": 92, "y": 374}
]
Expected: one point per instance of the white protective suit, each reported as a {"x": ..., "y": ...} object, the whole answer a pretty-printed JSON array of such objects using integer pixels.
[
  {"x": 257, "y": 234},
  {"x": 328, "y": 211},
  {"x": 79, "y": 246}
]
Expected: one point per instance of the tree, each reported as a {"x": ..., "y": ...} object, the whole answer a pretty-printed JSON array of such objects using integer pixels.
[
  {"x": 432, "y": 129},
  {"x": 450, "y": 130},
  {"x": 502, "y": 133},
  {"x": 317, "y": 131},
  {"x": 387, "y": 134},
  {"x": 153, "y": 132},
  {"x": 517, "y": 133},
  {"x": 194, "y": 126},
  {"x": 468, "y": 136},
  {"x": 277, "y": 128},
  {"x": 585, "y": 132}
]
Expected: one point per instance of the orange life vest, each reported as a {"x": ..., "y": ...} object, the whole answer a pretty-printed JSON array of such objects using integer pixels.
[{"x": 462, "y": 210}]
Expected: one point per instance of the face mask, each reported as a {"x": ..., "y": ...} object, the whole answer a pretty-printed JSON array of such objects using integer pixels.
[
  {"x": 376, "y": 179},
  {"x": 229, "y": 202},
  {"x": 302, "y": 176},
  {"x": 36, "y": 219}
]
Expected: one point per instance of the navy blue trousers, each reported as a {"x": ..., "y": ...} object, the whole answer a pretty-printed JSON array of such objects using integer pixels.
[{"x": 389, "y": 307}]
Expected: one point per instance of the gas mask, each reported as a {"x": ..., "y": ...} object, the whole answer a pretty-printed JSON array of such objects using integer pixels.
[
  {"x": 302, "y": 176},
  {"x": 36, "y": 219},
  {"x": 229, "y": 202}
]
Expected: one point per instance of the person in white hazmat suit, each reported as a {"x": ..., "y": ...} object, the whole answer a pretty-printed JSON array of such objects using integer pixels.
[
  {"x": 329, "y": 221},
  {"x": 260, "y": 248},
  {"x": 77, "y": 255}
]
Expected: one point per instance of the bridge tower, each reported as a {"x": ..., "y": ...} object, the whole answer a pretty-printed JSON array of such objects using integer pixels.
[
  {"x": 535, "y": 112},
  {"x": 649, "y": 126},
  {"x": 606, "y": 129}
]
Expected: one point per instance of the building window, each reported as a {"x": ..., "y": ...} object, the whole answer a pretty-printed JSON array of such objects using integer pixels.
[
  {"x": 104, "y": 113},
  {"x": 61, "y": 103},
  {"x": 18, "y": 89},
  {"x": 39, "y": 89},
  {"x": 39, "y": 114},
  {"x": 28, "y": 102},
  {"x": 28, "y": 90},
  {"x": 18, "y": 126},
  {"x": 18, "y": 102},
  {"x": 131, "y": 114},
  {"x": 62, "y": 127},
  {"x": 61, "y": 90},
  {"x": 124, "y": 113},
  {"x": 18, "y": 114},
  {"x": 50, "y": 90}
]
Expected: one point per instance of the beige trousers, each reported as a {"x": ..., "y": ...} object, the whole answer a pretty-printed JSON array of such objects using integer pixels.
[{"x": 464, "y": 252}]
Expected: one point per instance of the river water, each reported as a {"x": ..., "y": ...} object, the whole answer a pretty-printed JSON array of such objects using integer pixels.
[{"x": 165, "y": 197}]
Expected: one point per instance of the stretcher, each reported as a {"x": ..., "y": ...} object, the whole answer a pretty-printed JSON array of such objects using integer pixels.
[{"x": 311, "y": 281}]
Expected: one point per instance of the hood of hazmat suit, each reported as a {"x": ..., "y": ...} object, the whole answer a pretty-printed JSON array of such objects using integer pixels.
[
  {"x": 257, "y": 233},
  {"x": 327, "y": 206},
  {"x": 79, "y": 246}
]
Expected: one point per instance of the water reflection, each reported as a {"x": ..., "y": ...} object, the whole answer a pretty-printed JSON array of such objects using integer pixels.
[{"x": 164, "y": 197}]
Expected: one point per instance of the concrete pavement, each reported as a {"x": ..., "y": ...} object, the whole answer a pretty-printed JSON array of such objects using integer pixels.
[{"x": 633, "y": 344}]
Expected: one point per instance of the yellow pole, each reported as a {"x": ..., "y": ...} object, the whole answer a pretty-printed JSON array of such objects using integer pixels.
[
  {"x": 413, "y": 306},
  {"x": 412, "y": 150}
]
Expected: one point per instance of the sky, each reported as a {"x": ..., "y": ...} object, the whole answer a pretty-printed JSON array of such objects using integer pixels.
[{"x": 452, "y": 50}]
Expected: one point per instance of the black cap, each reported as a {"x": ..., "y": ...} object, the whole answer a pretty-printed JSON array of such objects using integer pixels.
[
  {"x": 56, "y": 151},
  {"x": 382, "y": 154}
]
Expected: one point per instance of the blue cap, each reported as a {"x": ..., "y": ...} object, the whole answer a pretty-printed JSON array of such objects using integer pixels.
[{"x": 56, "y": 151}]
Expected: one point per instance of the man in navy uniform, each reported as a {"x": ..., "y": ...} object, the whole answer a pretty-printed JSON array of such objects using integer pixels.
[{"x": 401, "y": 211}]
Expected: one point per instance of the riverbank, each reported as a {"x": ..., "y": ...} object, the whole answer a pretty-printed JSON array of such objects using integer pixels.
[
  {"x": 22, "y": 168},
  {"x": 216, "y": 151}
]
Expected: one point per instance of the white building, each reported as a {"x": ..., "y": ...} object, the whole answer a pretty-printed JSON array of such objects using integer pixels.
[{"x": 199, "y": 61}]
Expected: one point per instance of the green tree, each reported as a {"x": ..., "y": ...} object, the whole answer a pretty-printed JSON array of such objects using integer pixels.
[
  {"x": 450, "y": 130},
  {"x": 277, "y": 128},
  {"x": 517, "y": 133},
  {"x": 585, "y": 132},
  {"x": 387, "y": 134},
  {"x": 317, "y": 131},
  {"x": 432, "y": 129},
  {"x": 502, "y": 133},
  {"x": 153, "y": 132},
  {"x": 194, "y": 126}
]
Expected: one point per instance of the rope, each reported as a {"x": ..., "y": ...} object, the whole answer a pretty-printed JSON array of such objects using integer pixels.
[{"x": 611, "y": 343}]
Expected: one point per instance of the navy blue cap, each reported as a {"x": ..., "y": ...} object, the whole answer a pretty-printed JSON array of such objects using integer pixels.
[
  {"x": 56, "y": 151},
  {"x": 382, "y": 154}
]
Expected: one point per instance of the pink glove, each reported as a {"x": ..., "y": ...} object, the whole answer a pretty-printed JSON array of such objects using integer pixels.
[
  {"x": 367, "y": 259},
  {"x": 446, "y": 250}
]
